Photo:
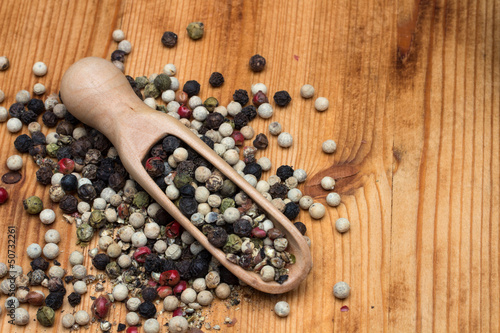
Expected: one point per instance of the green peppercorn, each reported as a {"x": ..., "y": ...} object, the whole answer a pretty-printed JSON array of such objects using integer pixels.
[
  {"x": 84, "y": 233},
  {"x": 113, "y": 270},
  {"x": 33, "y": 205},
  {"x": 211, "y": 103},
  {"x": 228, "y": 189},
  {"x": 141, "y": 199},
  {"x": 162, "y": 82},
  {"x": 225, "y": 204},
  {"x": 52, "y": 149},
  {"x": 162, "y": 108},
  {"x": 195, "y": 30},
  {"x": 46, "y": 316},
  {"x": 141, "y": 81},
  {"x": 97, "y": 219},
  {"x": 182, "y": 179},
  {"x": 233, "y": 244},
  {"x": 151, "y": 91}
]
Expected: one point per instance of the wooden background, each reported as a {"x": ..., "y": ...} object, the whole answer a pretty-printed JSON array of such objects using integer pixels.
[{"x": 414, "y": 91}]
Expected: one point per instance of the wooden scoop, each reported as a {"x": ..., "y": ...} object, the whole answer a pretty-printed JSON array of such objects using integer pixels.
[{"x": 99, "y": 95}]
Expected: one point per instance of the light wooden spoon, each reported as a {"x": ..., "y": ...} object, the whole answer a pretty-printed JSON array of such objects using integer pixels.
[{"x": 99, "y": 95}]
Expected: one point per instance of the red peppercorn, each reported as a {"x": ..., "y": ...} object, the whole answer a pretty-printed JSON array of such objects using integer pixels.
[
  {"x": 4, "y": 195},
  {"x": 184, "y": 112},
  {"x": 259, "y": 98},
  {"x": 100, "y": 307},
  {"x": 164, "y": 291},
  {"x": 173, "y": 229},
  {"x": 132, "y": 329},
  {"x": 178, "y": 312},
  {"x": 66, "y": 166},
  {"x": 180, "y": 287},
  {"x": 238, "y": 138},
  {"x": 123, "y": 210},
  {"x": 141, "y": 253},
  {"x": 152, "y": 283},
  {"x": 259, "y": 233},
  {"x": 170, "y": 278}
]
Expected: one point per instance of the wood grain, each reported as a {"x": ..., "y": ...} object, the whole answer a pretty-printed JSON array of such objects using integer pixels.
[{"x": 414, "y": 107}]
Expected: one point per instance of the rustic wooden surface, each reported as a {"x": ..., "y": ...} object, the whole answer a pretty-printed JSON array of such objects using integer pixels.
[{"x": 414, "y": 108}]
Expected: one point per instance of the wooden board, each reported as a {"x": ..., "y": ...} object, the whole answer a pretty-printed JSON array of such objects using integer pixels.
[{"x": 414, "y": 108}]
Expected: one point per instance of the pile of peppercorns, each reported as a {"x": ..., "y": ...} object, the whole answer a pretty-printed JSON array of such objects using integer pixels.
[{"x": 145, "y": 254}]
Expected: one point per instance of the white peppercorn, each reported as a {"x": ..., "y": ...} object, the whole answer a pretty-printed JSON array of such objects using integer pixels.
[
  {"x": 201, "y": 194},
  {"x": 11, "y": 302},
  {"x": 116, "y": 200},
  {"x": 173, "y": 252},
  {"x": 214, "y": 200},
  {"x": 3, "y": 270},
  {"x": 173, "y": 107},
  {"x": 118, "y": 35},
  {"x": 133, "y": 303},
  {"x": 79, "y": 271},
  {"x": 321, "y": 104},
  {"x": 56, "y": 271},
  {"x": 178, "y": 324},
  {"x": 265, "y": 163},
  {"x": 233, "y": 108},
  {"x": 21, "y": 317},
  {"x": 285, "y": 140},
  {"x": 23, "y": 96},
  {"x": 294, "y": 195},
  {"x": 205, "y": 297},
  {"x": 125, "y": 46},
  {"x": 174, "y": 83},
  {"x": 111, "y": 215},
  {"x": 221, "y": 109},
  {"x": 180, "y": 154},
  {"x": 34, "y": 127},
  {"x": 212, "y": 279},
  {"x": 194, "y": 101},
  {"x": 247, "y": 132},
  {"x": 333, "y": 199},
  {"x": 275, "y": 128},
  {"x": 52, "y": 137},
  {"x": 124, "y": 261},
  {"x": 317, "y": 210},
  {"x": 132, "y": 318},
  {"x": 52, "y": 236},
  {"x": 104, "y": 242},
  {"x": 228, "y": 143},
  {"x": 307, "y": 91},
  {"x": 15, "y": 162},
  {"x": 51, "y": 251},
  {"x": 99, "y": 203},
  {"x": 259, "y": 87},
  {"x": 188, "y": 295},
  {"x": 200, "y": 113},
  {"x": 170, "y": 69},
  {"x": 262, "y": 186},
  {"x": 120, "y": 292},
  {"x": 199, "y": 284},
  {"x": 305, "y": 202},
  {"x": 204, "y": 208},
  {"x": 126, "y": 233},
  {"x": 328, "y": 183},
  {"x": 80, "y": 287},
  {"x": 22, "y": 294},
  {"x": 150, "y": 101},
  {"x": 151, "y": 326},
  {"x": 14, "y": 125},
  {"x": 231, "y": 156},
  {"x": 168, "y": 96},
  {"x": 231, "y": 215},
  {"x": 152, "y": 230},
  {"x": 82, "y": 318},
  {"x": 341, "y": 290},
  {"x": 39, "y": 89},
  {"x": 300, "y": 175},
  {"x": 251, "y": 179},
  {"x": 282, "y": 309},
  {"x": 342, "y": 225},
  {"x": 170, "y": 303},
  {"x": 68, "y": 320},
  {"x": 136, "y": 220},
  {"x": 187, "y": 238},
  {"x": 225, "y": 129},
  {"x": 76, "y": 258},
  {"x": 265, "y": 110},
  {"x": 267, "y": 273},
  {"x": 329, "y": 146},
  {"x": 223, "y": 291},
  {"x": 160, "y": 246},
  {"x": 39, "y": 68},
  {"x": 114, "y": 250},
  {"x": 172, "y": 192},
  {"x": 4, "y": 114},
  {"x": 34, "y": 251}
]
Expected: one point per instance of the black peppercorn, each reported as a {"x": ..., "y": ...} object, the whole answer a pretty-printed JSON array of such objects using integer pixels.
[
  {"x": 116, "y": 181},
  {"x": 49, "y": 119},
  {"x": 56, "y": 285},
  {"x": 158, "y": 151},
  {"x": 250, "y": 111},
  {"x": 68, "y": 204},
  {"x": 209, "y": 142},
  {"x": 242, "y": 228},
  {"x": 99, "y": 185},
  {"x": 170, "y": 143},
  {"x": 284, "y": 172},
  {"x": 147, "y": 310},
  {"x": 253, "y": 169},
  {"x": 199, "y": 268},
  {"x": 81, "y": 146},
  {"x": 282, "y": 98},
  {"x": 191, "y": 88},
  {"x": 282, "y": 279},
  {"x": 38, "y": 151},
  {"x": 227, "y": 277},
  {"x": 292, "y": 210},
  {"x": 64, "y": 152},
  {"x": 245, "y": 261},
  {"x": 28, "y": 117},
  {"x": 74, "y": 299},
  {"x": 149, "y": 294},
  {"x": 118, "y": 55},
  {"x": 93, "y": 156},
  {"x": 54, "y": 300},
  {"x": 261, "y": 141},
  {"x": 68, "y": 279},
  {"x": 101, "y": 142},
  {"x": 39, "y": 263},
  {"x": 169, "y": 39},
  {"x": 36, "y": 105},
  {"x": 100, "y": 261},
  {"x": 38, "y": 138},
  {"x": 16, "y": 110},
  {"x": 301, "y": 227},
  {"x": 187, "y": 191},
  {"x": 69, "y": 183},
  {"x": 71, "y": 119},
  {"x": 186, "y": 167},
  {"x": 257, "y": 63},
  {"x": 188, "y": 206},
  {"x": 240, "y": 120},
  {"x": 217, "y": 236},
  {"x": 216, "y": 79},
  {"x": 44, "y": 175},
  {"x": 278, "y": 190},
  {"x": 214, "y": 120},
  {"x": 241, "y": 96},
  {"x": 89, "y": 171},
  {"x": 162, "y": 217},
  {"x": 121, "y": 327},
  {"x": 87, "y": 192},
  {"x": 64, "y": 128},
  {"x": 23, "y": 143}
]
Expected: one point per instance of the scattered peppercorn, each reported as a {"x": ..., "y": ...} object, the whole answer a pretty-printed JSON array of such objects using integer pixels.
[
  {"x": 301, "y": 227},
  {"x": 23, "y": 143},
  {"x": 50, "y": 119},
  {"x": 46, "y": 316},
  {"x": 282, "y": 98},
  {"x": 191, "y": 88},
  {"x": 261, "y": 141},
  {"x": 195, "y": 30},
  {"x": 147, "y": 310},
  {"x": 284, "y": 172},
  {"x": 54, "y": 300},
  {"x": 74, "y": 299},
  {"x": 68, "y": 204},
  {"x": 241, "y": 96},
  {"x": 216, "y": 79},
  {"x": 169, "y": 39},
  {"x": 118, "y": 55},
  {"x": 257, "y": 63},
  {"x": 100, "y": 261},
  {"x": 44, "y": 175}
]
